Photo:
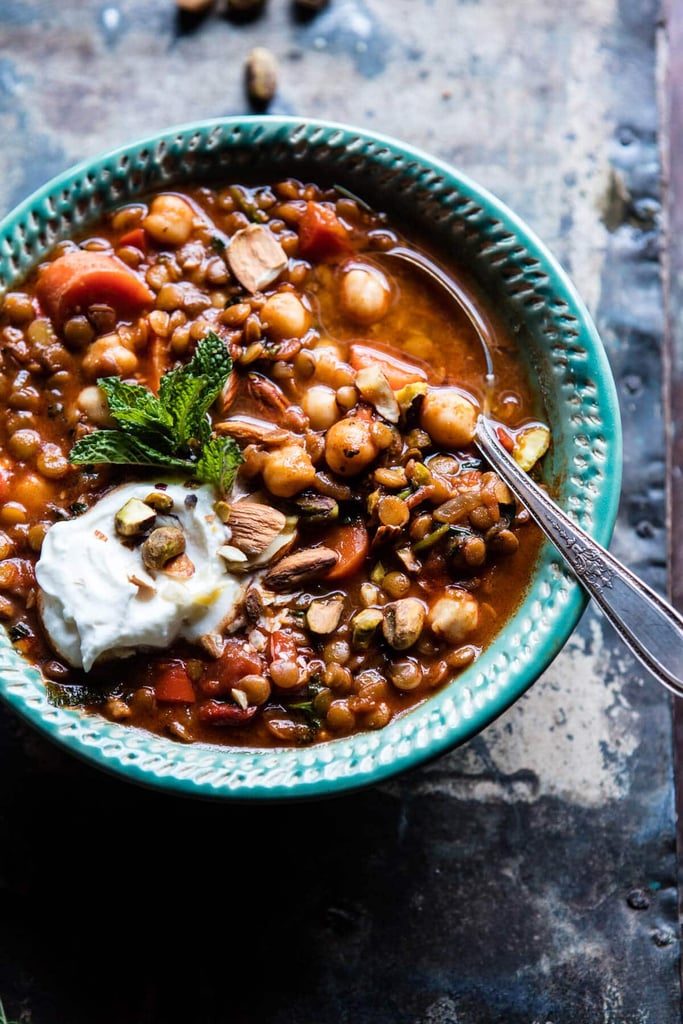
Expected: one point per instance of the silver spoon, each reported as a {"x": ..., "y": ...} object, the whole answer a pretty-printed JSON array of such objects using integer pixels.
[{"x": 647, "y": 624}]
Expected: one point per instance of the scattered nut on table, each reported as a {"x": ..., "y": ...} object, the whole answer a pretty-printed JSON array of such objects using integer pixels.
[{"x": 261, "y": 74}]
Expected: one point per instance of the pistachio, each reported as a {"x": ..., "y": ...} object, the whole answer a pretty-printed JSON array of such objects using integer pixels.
[
  {"x": 363, "y": 626},
  {"x": 316, "y": 508},
  {"x": 134, "y": 518},
  {"x": 163, "y": 544},
  {"x": 409, "y": 393},
  {"x": 301, "y": 567},
  {"x": 159, "y": 501},
  {"x": 323, "y": 615},
  {"x": 403, "y": 623},
  {"x": 408, "y": 559}
]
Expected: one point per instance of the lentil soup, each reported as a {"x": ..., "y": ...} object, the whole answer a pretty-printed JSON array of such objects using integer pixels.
[{"x": 239, "y": 498}]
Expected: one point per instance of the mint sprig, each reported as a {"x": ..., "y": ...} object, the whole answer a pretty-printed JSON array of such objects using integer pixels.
[{"x": 171, "y": 430}]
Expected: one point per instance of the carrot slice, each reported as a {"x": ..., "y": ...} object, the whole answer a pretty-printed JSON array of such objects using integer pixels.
[
  {"x": 398, "y": 370},
  {"x": 352, "y": 544},
  {"x": 137, "y": 238},
  {"x": 77, "y": 279},
  {"x": 321, "y": 233},
  {"x": 173, "y": 685}
]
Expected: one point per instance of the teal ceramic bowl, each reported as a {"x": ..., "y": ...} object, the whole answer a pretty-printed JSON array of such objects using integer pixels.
[{"x": 424, "y": 197}]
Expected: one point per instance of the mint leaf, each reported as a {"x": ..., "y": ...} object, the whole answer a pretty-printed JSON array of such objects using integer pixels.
[
  {"x": 171, "y": 430},
  {"x": 116, "y": 447},
  {"x": 133, "y": 406},
  {"x": 218, "y": 463},
  {"x": 188, "y": 392}
]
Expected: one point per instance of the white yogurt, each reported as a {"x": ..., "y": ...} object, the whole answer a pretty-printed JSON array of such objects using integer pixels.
[{"x": 89, "y": 603}]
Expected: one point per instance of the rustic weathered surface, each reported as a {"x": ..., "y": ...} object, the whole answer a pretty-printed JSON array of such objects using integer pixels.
[{"x": 527, "y": 877}]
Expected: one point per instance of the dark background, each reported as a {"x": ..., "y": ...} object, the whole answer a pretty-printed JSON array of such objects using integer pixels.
[{"x": 528, "y": 877}]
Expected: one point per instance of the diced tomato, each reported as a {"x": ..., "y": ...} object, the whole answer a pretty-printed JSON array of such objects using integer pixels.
[
  {"x": 352, "y": 544},
  {"x": 399, "y": 370},
  {"x": 282, "y": 646},
  {"x": 136, "y": 238},
  {"x": 238, "y": 659},
  {"x": 505, "y": 439},
  {"x": 215, "y": 712},
  {"x": 172, "y": 683},
  {"x": 321, "y": 234},
  {"x": 78, "y": 279}
]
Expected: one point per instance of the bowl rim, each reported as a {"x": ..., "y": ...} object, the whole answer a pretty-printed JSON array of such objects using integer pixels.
[{"x": 438, "y": 724}]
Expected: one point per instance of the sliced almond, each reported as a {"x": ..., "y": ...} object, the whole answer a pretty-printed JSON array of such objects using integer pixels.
[
  {"x": 145, "y": 586},
  {"x": 254, "y": 526},
  {"x": 375, "y": 389},
  {"x": 301, "y": 567},
  {"x": 255, "y": 257},
  {"x": 245, "y": 431},
  {"x": 213, "y": 644},
  {"x": 181, "y": 567}
]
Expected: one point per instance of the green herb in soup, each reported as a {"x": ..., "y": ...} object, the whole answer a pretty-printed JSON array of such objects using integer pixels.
[{"x": 239, "y": 497}]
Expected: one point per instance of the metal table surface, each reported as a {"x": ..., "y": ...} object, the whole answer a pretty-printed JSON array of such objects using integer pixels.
[{"x": 529, "y": 876}]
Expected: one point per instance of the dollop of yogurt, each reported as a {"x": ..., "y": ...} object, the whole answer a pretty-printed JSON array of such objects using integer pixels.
[{"x": 97, "y": 600}]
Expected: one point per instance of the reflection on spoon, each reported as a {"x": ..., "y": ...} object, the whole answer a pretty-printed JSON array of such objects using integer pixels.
[{"x": 647, "y": 624}]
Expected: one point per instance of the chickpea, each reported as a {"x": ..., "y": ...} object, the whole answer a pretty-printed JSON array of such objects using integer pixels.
[
  {"x": 12, "y": 513},
  {"x": 379, "y": 716},
  {"x": 92, "y": 402},
  {"x": 288, "y": 470},
  {"x": 107, "y": 357},
  {"x": 19, "y": 307},
  {"x": 320, "y": 405},
  {"x": 32, "y": 491},
  {"x": 365, "y": 293},
  {"x": 51, "y": 462},
  {"x": 349, "y": 447},
  {"x": 454, "y": 615},
  {"x": 449, "y": 417},
  {"x": 330, "y": 368},
  {"x": 170, "y": 220},
  {"x": 340, "y": 717},
  {"x": 284, "y": 316},
  {"x": 23, "y": 444},
  {"x": 36, "y": 535},
  {"x": 405, "y": 674},
  {"x": 285, "y": 674},
  {"x": 256, "y": 688}
]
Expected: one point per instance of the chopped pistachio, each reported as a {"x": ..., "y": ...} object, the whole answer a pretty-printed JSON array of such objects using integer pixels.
[
  {"x": 134, "y": 518},
  {"x": 163, "y": 544},
  {"x": 316, "y": 508},
  {"x": 323, "y": 615},
  {"x": 403, "y": 623},
  {"x": 159, "y": 501},
  {"x": 407, "y": 395},
  {"x": 363, "y": 626}
]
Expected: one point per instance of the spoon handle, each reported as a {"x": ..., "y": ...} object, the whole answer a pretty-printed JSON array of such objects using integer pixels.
[{"x": 649, "y": 626}]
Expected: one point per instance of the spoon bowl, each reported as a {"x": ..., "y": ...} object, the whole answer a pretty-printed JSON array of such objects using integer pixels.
[{"x": 647, "y": 624}]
